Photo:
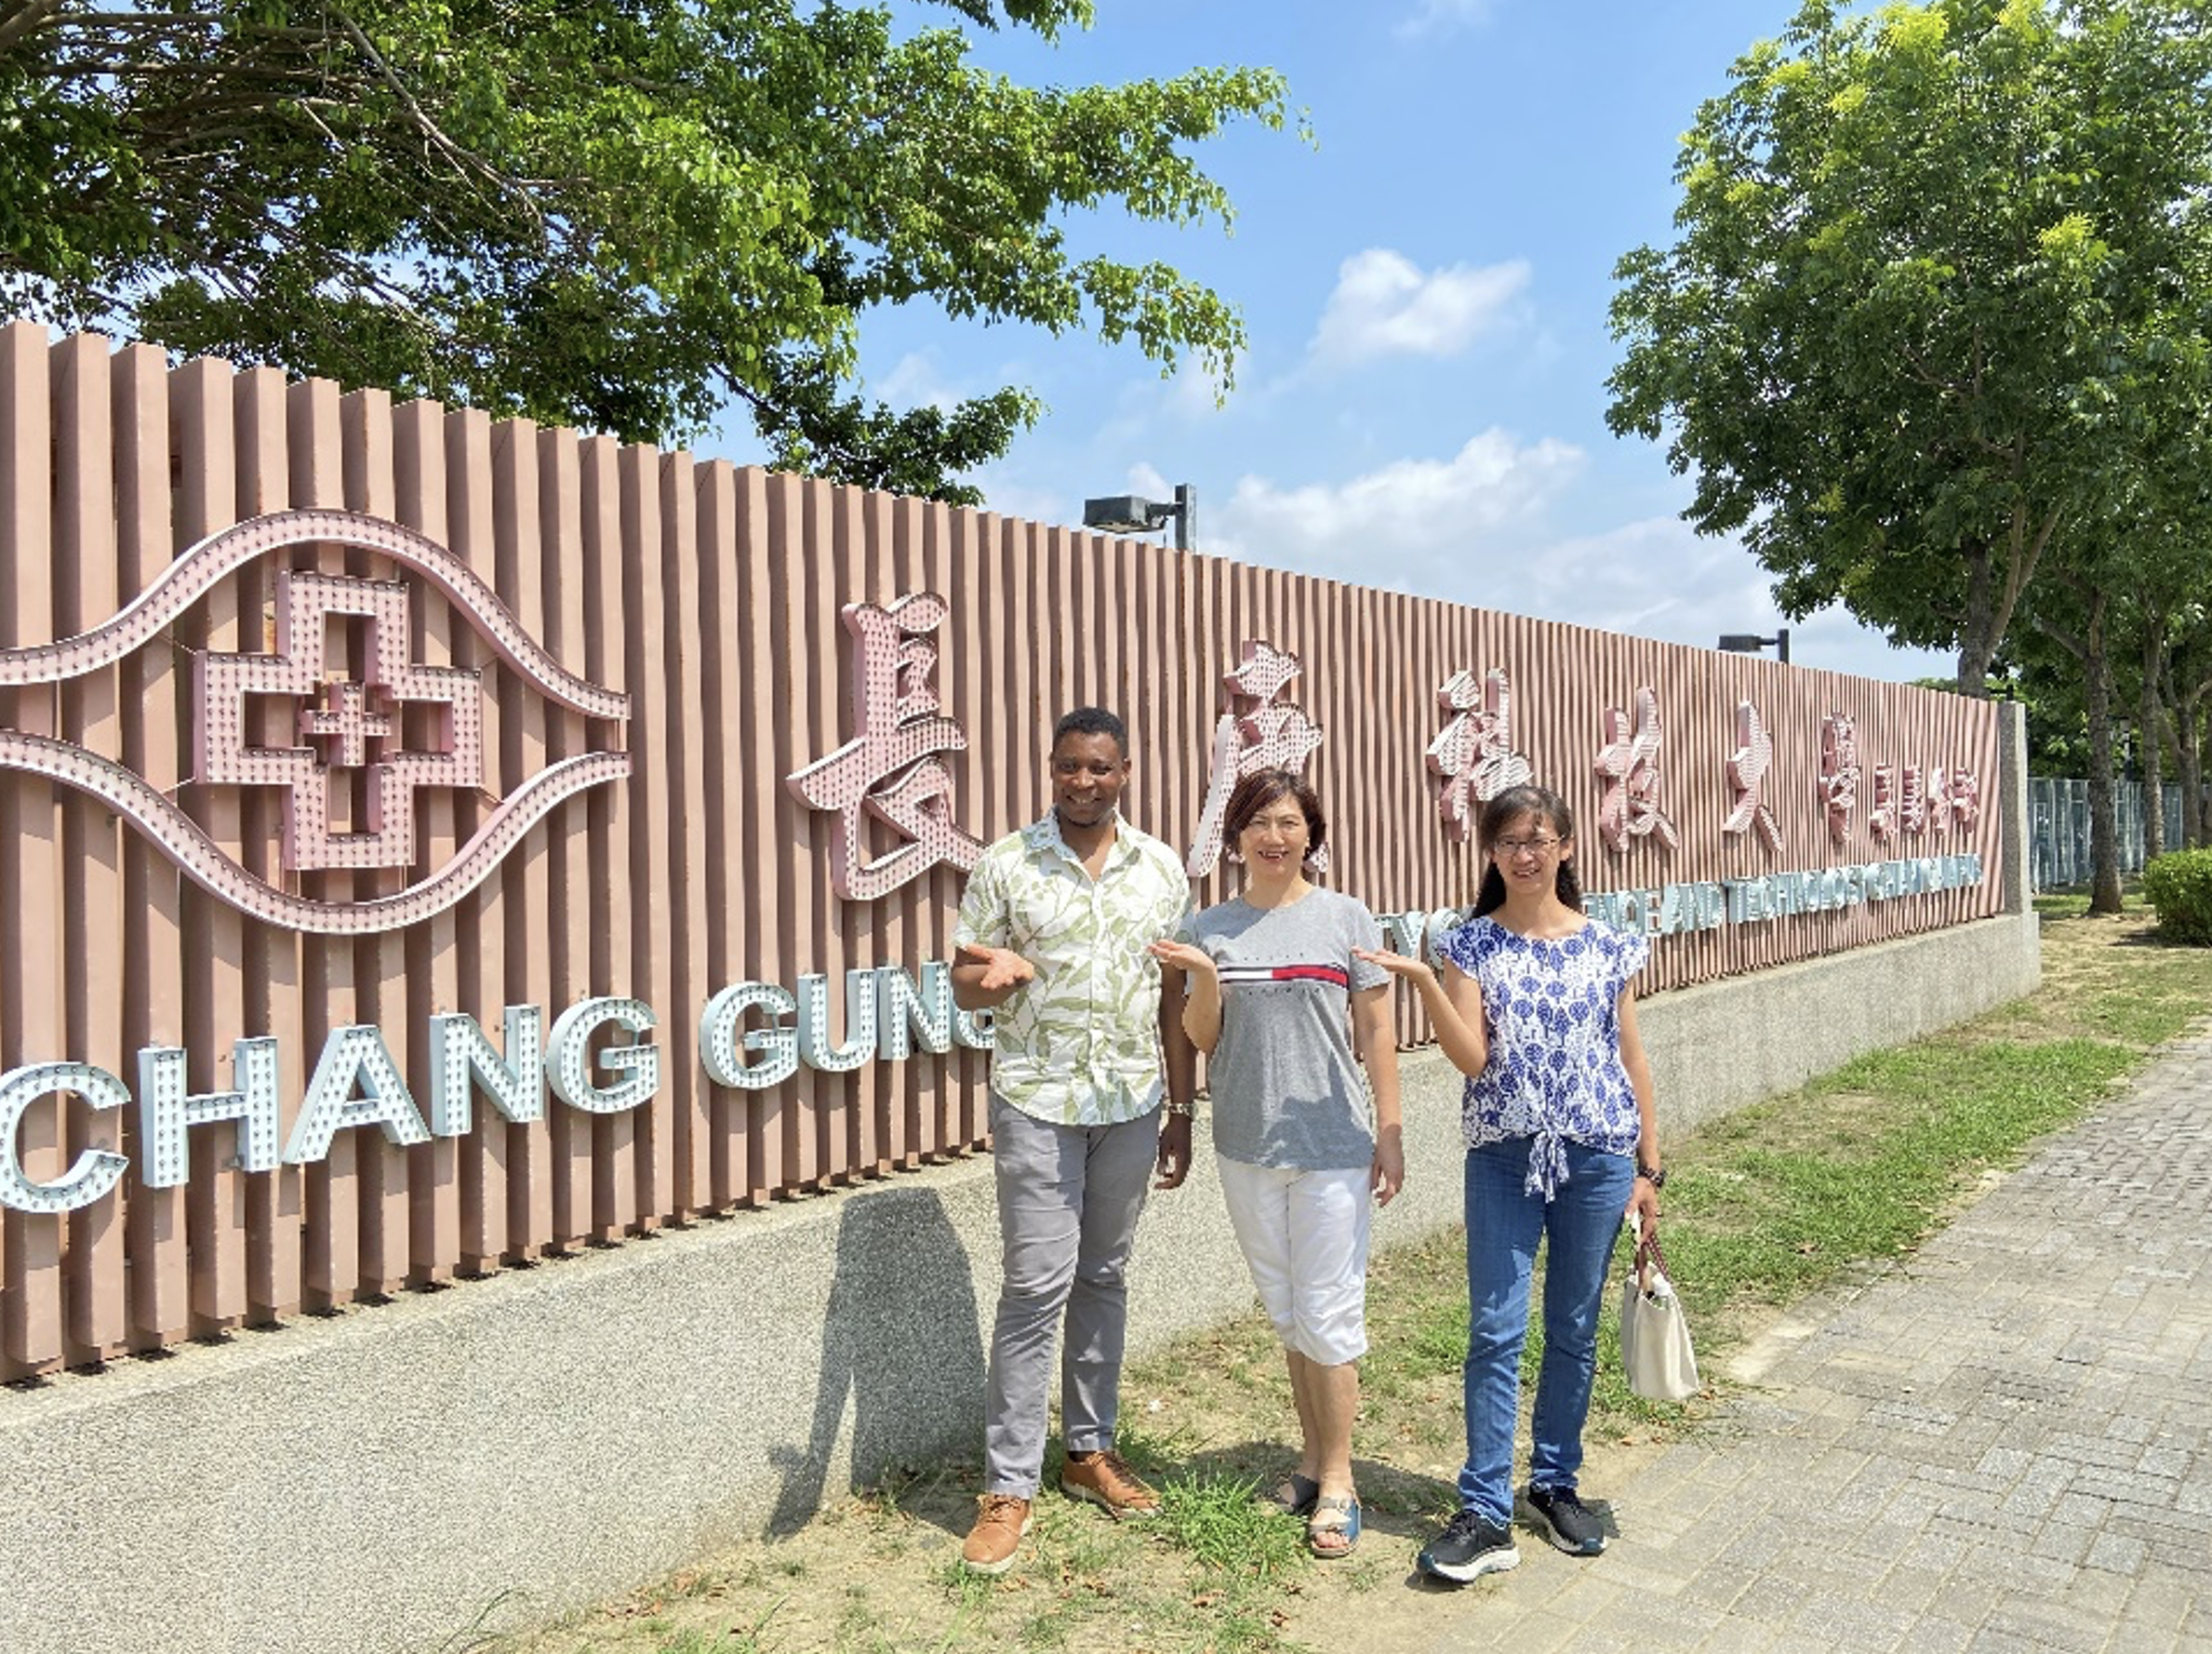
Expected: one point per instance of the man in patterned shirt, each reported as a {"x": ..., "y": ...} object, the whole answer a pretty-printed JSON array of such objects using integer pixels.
[{"x": 1052, "y": 939}]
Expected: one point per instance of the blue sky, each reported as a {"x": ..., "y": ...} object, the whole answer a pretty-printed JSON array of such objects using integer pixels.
[{"x": 1425, "y": 289}]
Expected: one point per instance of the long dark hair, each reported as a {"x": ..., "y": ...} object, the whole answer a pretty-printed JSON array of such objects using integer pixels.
[{"x": 1502, "y": 812}]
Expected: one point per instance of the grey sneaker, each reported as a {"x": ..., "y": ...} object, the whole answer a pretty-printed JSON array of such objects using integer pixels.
[
  {"x": 1566, "y": 1521},
  {"x": 1469, "y": 1548}
]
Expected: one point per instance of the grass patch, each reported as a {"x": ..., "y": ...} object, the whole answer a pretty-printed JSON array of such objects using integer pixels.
[
  {"x": 1218, "y": 1517},
  {"x": 1763, "y": 1208}
]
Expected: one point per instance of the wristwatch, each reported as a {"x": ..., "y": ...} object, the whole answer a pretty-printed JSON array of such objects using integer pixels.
[{"x": 1658, "y": 1179}]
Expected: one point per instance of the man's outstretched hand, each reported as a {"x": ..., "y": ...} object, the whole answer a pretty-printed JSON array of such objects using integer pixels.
[{"x": 1002, "y": 968}]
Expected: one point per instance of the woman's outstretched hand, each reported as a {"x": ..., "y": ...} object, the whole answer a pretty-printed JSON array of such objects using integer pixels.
[
  {"x": 1398, "y": 965},
  {"x": 1186, "y": 957}
]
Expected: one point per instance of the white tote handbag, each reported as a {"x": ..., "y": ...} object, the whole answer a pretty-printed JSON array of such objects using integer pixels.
[{"x": 1654, "y": 1334}]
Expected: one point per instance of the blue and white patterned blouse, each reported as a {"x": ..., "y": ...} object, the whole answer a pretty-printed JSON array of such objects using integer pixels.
[{"x": 1552, "y": 1009}]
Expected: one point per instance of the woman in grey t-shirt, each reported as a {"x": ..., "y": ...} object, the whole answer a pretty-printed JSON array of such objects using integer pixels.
[{"x": 1274, "y": 991}]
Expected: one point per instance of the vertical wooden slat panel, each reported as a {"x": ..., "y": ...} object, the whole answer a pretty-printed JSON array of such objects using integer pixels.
[
  {"x": 432, "y": 949},
  {"x": 817, "y": 725},
  {"x": 725, "y": 770},
  {"x": 345, "y": 457},
  {"x": 272, "y": 1205},
  {"x": 759, "y": 714},
  {"x": 651, "y": 928},
  {"x": 894, "y": 568},
  {"x": 526, "y": 877},
  {"x": 152, "y": 903},
  {"x": 472, "y": 519},
  {"x": 979, "y": 682},
  {"x": 91, "y": 890},
  {"x": 357, "y": 1183},
  {"x": 31, "y": 858},
  {"x": 579, "y": 867},
  {"x": 932, "y": 1082},
  {"x": 854, "y": 1141},
  {"x": 614, "y": 814},
  {"x": 205, "y": 402},
  {"x": 682, "y": 894}
]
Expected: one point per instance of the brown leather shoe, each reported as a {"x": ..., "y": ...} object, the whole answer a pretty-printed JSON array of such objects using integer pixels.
[
  {"x": 1002, "y": 1522},
  {"x": 1106, "y": 1480}
]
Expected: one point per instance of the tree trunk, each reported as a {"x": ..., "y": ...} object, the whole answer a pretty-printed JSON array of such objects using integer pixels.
[
  {"x": 2189, "y": 759},
  {"x": 2104, "y": 826},
  {"x": 2151, "y": 722},
  {"x": 1978, "y": 633}
]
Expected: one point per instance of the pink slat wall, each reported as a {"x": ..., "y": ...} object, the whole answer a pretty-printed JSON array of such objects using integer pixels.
[{"x": 712, "y": 597}]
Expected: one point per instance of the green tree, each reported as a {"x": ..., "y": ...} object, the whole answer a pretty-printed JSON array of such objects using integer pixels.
[
  {"x": 613, "y": 213},
  {"x": 1942, "y": 271}
]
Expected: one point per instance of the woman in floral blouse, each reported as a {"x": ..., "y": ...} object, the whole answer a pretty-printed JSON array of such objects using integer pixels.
[{"x": 1533, "y": 1006}]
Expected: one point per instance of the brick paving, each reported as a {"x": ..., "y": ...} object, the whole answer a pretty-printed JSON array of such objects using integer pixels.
[{"x": 2002, "y": 1446}]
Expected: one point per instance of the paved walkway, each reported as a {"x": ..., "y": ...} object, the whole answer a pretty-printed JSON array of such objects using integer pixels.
[{"x": 2003, "y": 1447}]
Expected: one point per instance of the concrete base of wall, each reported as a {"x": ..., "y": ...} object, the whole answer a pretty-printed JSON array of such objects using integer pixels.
[{"x": 530, "y": 1443}]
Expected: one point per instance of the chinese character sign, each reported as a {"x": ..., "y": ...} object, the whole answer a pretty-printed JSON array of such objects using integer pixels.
[
  {"x": 1629, "y": 767},
  {"x": 1747, "y": 773},
  {"x": 1911, "y": 805},
  {"x": 1882, "y": 818},
  {"x": 1965, "y": 798},
  {"x": 890, "y": 771},
  {"x": 1473, "y": 758},
  {"x": 1839, "y": 774},
  {"x": 1267, "y": 736}
]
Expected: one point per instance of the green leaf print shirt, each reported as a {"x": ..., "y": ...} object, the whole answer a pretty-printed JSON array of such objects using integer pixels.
[{"x": 1080, "y": 1044}]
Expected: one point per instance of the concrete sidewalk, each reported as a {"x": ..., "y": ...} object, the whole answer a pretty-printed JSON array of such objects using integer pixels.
[{"x": 2004, "y": 1446}]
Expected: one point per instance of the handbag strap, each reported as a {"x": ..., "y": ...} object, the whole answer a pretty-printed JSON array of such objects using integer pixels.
[{"x": 1649, "y": 1256}]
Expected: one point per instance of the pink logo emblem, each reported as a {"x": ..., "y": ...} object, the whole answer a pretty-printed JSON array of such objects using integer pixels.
[{"x": 346, "y": 726}]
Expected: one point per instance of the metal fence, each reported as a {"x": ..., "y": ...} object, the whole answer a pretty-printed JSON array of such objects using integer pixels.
[{"x": 2059, "y": 828}]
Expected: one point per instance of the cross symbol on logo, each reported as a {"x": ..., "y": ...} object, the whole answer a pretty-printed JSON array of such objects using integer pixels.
[
  {"x": 356, "y": 713},
  {"x": 346, "y": 722}
]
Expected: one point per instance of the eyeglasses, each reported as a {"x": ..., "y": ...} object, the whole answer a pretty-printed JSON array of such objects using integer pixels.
[{"x": 1512, "y": 847}]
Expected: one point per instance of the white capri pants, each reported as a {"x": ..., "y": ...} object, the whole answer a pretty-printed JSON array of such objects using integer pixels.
[{"x": 1304, "y": 1236}]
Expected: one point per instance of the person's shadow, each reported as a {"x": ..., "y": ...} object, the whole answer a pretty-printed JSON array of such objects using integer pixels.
[{"x": 901, "y": 1339}]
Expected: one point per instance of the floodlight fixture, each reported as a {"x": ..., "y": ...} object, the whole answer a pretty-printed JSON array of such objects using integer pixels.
[
  {"x": 1132, "y": 514},
  {"x": 1751, "y": 643}
]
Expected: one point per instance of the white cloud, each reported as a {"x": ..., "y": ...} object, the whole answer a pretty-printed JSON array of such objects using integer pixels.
[
  {"x": 1148, "y": 481},
  {"x": 1012, "y": 496},
  {"x": 1412, "y": 522},
  {"x": 1475, "y": 529},
  {"x": 1659, "y": 578},
  {"x": 1439, "y": 16},
  {"x": 915, "y": 381},
  {"x": 1386, "y": 305}
]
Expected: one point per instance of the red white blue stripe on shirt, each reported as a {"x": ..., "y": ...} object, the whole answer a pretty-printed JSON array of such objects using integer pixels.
[{"x": 1336, "y": 976}]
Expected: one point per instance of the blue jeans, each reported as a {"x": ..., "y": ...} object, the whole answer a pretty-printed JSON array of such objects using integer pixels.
[{"x": 1504, "y": 1223}]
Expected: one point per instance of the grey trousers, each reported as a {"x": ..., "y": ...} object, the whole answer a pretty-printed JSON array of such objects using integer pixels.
[{"x": 1068, "y": 1201}]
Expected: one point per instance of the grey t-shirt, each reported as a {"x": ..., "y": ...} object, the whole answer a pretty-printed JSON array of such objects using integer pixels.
[{"x": 1285, "y": 1091}]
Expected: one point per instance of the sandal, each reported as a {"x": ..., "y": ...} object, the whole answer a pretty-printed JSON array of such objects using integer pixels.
[
  {"x": 1337, "y": 1521},
  {"x": 1294, "y": 1496}
]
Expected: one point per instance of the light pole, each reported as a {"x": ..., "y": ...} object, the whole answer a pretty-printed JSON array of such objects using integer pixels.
[
  {"x": 1751, "y": 643},
  {"x": 1132, "y": 514}
]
